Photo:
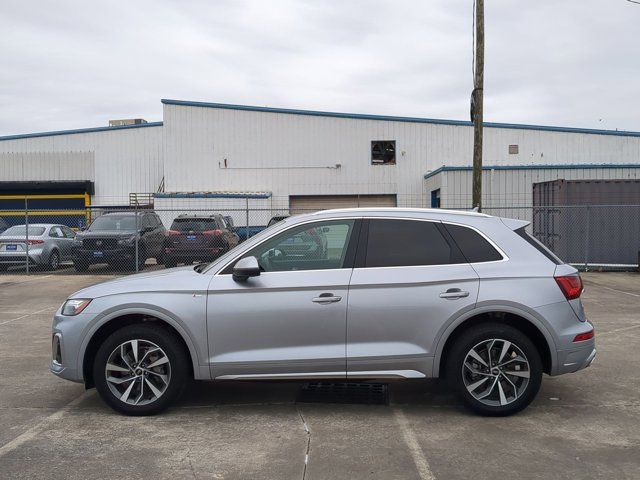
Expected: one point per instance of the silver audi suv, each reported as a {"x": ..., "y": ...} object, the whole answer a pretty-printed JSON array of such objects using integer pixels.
[{"x": 387, "y": 294}]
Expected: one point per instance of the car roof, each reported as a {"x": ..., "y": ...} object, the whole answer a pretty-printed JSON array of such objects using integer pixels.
[
  {"x": 396, "y": 210},
  {"x": 45, "y": 225},
  {"x": 196, "y": 217}
]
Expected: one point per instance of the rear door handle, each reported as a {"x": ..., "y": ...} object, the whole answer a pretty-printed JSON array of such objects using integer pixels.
[
  {"x": 325, "y": 298},
  {"x": 454, "y": 293}
]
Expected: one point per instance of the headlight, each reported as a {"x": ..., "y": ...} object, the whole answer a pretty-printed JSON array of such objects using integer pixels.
[
  {"x": 77, "y": 242},
  {"x": 75, "y": 306}
]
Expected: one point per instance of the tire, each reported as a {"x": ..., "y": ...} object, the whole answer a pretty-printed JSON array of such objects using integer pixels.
[
  {"x": 141, "y": 400},
  {"x": 511, "y": 387},
  {"x": 80, "y": 266},
  {"x": 54, "y": 260}
]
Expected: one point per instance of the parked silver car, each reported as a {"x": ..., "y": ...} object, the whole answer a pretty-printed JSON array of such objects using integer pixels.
[
  {"x": 47, "y": 245},
  {"x": 397, "y": 293}
]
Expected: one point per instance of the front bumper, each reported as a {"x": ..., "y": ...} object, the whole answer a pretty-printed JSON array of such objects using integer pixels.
[
  {"x": 66, "y": 342},
  {"x": 105, "y": 256}
]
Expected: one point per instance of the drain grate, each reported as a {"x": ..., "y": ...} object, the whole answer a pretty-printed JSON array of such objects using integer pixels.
[{"x": 344, "y": 392}]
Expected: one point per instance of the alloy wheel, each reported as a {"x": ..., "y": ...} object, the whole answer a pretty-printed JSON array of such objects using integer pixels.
[
  {"x": 138, "y": 372},
  {"x": 496, "y": 372}
]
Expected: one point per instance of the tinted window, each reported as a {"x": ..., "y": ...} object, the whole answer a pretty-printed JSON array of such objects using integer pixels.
[
  {"x": 401, "y": 243},
  {"x": 194, "y": 224},
  {"x": 318, "y": 246},
  {"x": 474, "y": 246},
  {"x": 21, "y": 231},
  {"x": 535, "y": 243}
]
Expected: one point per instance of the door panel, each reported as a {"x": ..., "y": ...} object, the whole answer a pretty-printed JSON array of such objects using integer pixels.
[
  {"x": 292, "y": 318},
  {"x": 395, "y": 313},
  {"x": 270, "y": 325}
]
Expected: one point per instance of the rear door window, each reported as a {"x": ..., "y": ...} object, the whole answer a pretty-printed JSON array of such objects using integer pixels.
[
  {"x": 474, "y": 246},
  {"x": 403, "y": 243}
]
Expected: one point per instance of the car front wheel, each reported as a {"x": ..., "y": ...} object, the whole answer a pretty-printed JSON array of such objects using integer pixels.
[
  {"x": 140, "y": 370},
  {"x": 495, "y": 369}
]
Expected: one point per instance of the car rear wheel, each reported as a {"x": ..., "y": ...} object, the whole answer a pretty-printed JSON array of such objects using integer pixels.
[
  {"x": 495, "y": 369},
  {"x": 140, "y": 370},
  {"x": 54, "y": 260}
]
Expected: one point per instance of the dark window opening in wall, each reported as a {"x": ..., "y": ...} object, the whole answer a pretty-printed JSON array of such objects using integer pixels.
[
  {"x": 435, "y": 198},
  {"x": 383, "y": 152},
  {"x": 513, "y": 149}
]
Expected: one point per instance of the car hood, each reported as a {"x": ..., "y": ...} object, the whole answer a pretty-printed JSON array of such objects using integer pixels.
[{"x": 167, "y": 280}]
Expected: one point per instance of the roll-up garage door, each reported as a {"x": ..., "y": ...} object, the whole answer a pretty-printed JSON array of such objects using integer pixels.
[{"x": 312, "y": 203}]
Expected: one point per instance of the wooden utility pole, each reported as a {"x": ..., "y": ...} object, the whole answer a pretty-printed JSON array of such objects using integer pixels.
[{"x": 477, "y": 99}]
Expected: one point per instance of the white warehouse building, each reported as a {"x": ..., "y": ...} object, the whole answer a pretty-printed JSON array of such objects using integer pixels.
[{"x": 209, "y": 155}]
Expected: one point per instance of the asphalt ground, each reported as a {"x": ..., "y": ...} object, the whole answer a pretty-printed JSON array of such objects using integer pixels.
[{"x": 583, "y": 425}]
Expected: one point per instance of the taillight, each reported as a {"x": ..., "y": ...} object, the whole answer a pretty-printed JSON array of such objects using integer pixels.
[
  {"x": 173, "y": 232},
  {"x": 212, "y": 232},
  {"x": 581, "y": 337},
  {"x": 35, "y": 242},
  {"x": 571, "y": 286}
]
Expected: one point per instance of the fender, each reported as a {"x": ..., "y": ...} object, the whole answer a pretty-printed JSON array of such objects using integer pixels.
[
  {"x": 201, "y": 372},
  {"x": 487, "y": 307}
]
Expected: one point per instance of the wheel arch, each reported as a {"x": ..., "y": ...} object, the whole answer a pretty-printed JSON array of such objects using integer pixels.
[
  {"x": 117, "y": 320},
  {"x": 518, "y": 318}
]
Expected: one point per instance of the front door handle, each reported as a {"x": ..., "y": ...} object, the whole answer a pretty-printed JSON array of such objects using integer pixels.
[
  {"x": 325, "y": 298},
  {"x": 454, "y": 293}
]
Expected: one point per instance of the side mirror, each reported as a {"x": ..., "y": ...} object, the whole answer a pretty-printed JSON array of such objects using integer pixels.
[
  {"x": 245, "y": 268},
  {"x": 147, "y": 229}
]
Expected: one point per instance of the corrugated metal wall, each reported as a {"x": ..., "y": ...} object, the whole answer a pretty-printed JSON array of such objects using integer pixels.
[
  {"x": 125, "y": 160},
  {"x": 25, "y": 166},
  {"x": 292, "y": 154},
  {"x": 513, "y": 188}
]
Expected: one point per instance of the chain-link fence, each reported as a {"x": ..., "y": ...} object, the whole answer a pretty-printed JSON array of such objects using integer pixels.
[{"x": 131, "y": 239}]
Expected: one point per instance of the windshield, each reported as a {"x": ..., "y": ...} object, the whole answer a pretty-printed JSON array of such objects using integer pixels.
[
  {"x": 193, "y": 224},
  {"x": 21, "y": 231},
  {"x": 114, "y": 222}
]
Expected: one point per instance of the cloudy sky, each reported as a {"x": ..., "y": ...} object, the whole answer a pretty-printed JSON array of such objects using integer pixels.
[{"x": 74, "y": 64}]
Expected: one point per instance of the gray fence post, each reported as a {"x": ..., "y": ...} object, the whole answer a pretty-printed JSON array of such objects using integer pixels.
[
  {"x": 26, "y": 232},
  {"x": 587, "y": 239},
  {"x": 247, "y": 219},
  {"x": 135, "y": 208}
]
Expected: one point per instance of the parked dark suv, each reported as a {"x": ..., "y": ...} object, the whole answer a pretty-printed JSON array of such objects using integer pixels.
[
  {"x": 197, "y": 238},
  {"x": 111, "y": 238}
]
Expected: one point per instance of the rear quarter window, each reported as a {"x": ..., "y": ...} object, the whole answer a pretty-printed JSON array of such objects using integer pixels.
[
  {"x": 538, "y": 245},
  {"x": 474, "y": 246}
]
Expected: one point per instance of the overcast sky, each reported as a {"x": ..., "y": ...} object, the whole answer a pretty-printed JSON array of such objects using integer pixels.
[{"x": 556, "y": 62}]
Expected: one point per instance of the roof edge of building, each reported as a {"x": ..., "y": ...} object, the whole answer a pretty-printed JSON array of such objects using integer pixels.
[
  {"x": 78, "y": 130},
  {"x": 390, "y": 118},
  {"x": 573, "y": 166}
]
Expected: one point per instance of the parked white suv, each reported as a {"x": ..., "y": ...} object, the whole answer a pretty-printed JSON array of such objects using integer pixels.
[{"x": 393, "y": 294}]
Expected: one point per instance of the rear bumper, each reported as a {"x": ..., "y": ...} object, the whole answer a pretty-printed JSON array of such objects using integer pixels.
[
  {"x": 36, "y": 256},
  {"x": 194, "y": 254},
  {"x": 576, "y": 359}
]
